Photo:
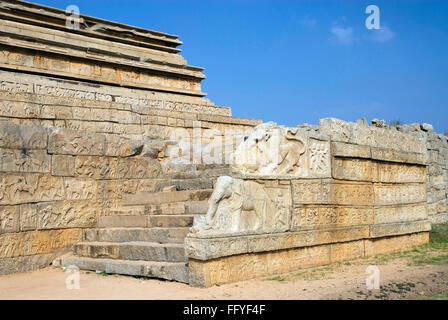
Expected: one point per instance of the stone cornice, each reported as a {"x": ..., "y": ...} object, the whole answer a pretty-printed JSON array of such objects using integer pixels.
[{"x": 42, "y": 29}]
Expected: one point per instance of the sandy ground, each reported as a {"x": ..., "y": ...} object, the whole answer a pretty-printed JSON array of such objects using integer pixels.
[{"x": 343, "y": 281}]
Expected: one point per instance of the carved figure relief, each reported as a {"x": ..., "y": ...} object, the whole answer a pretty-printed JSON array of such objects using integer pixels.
[
  {"x": 272, "y": 150},
  {"x": 244, "y": 207}
]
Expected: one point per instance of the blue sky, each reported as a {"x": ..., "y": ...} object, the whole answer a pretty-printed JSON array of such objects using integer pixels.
[{"x": 297, "y": 61}]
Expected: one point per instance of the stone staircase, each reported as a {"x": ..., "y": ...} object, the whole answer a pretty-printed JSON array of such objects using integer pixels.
[{"x": 145, "y": 237}]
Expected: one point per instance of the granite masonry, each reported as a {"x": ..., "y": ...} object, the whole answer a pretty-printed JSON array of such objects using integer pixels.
[{"x": 112, "y": 159}]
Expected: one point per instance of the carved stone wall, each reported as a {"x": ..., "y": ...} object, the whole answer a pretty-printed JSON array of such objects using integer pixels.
[
  {"x": 370, "y": 198},
  {"x": 86, "y": 116}
]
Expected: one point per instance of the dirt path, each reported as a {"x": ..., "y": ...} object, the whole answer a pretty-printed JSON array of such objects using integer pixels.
[{"x": 342, "y": 281}]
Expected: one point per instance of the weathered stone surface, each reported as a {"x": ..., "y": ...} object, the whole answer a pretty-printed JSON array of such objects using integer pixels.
[
  {"x": 28, "y": 217},
  {"x": 9, "y": 219},
  {"x": 117, "y": 146},
  {"x": 151, "y": 198},
  {"x": 166, "y": 208},
  {"x": 307, "y": 192},
  {"x": 346, "y": 251},
  {"x": 26, "y": 263},
  {"x": 439, "y": 218},
  {"x": 23, "y": 160},
  {"x": 398, "y": 156},
  {"x": 400, "y": 213},
  {"x": 310, "y": 217},
  {"x": 341, "y": 149},
  {"x": 272, "y": 150},
  {"x": 123, "y": 221},
  {"x": 116, "y": 168},
  {"x": 344, "y": 193},
  {"x": 73, "y": 153},
  {"x": 392, "y": 194},
  {"x": 353, "y": 169},
  {"x": 62, "y": 165},
  {"x": 399, "y": 173},
  {"x": 211, "y": 248},
  {"x": 332, "y": 192},
  {"x": 16, "y": 189},
  {"x": 177, "y": 271},
  {"x": 37, "y": 242},
  {"x": 245, "y": 207},
  {"x": 367, "y": 170},
  {"x": 170, "y": 221},
  {"x": 381, "y": 138},
  {"x": 159, "y": 235},
  {"x": 71, "y": 142},
  {"x": 66, "y": 214},
  {"x": 22, "y": 136},
  {"x": 391, "y": 244},
  {"x": 146, "y": 251},
  {"x": 385, "y": 230},
  {"x": 80, "y": 189},
  {"x": 249, "y": 266}
]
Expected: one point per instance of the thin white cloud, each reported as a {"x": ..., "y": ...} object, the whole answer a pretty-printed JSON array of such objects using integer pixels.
[
  {"x": 309, "y": 23},
  {"x": 383, "y": 34},
  {"x": 343, "y": 35}
]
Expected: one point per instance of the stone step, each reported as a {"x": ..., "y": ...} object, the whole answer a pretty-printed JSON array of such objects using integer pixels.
[
  {"x": 160, "y": 235},
  {"x": 123, "y": 221},
  {"x": 127, "y": 211},
  {"x": 165, "y": 221},
  {"x": 196, "y": 207},
  {"x": 135, "y": 250},
  {"x": 176, "y": 208},
  {"x": 155, "y": 221},
  {"x": 177, "y": 271},
  {"x": 147, "y": 198}
]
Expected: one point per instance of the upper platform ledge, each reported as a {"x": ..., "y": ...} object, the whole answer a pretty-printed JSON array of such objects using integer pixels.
[
  {"x": 40, "y": 15},
  {"x": 124, "y": 55}
]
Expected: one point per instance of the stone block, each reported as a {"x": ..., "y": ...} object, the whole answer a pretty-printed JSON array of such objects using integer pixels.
[
  {"x": 382, "y": 138},
  {"x": 346, "y": 251},
  {"x": 71, "y": 142},
  {"x": 62, "y": 165},
  {"x": 26, "y": 263},
  {"x": 9, "y": 219},
  {"x": 311, "y": 217},
  {"x": 15, "y": 136},
  {"x": 250, "y": 266},
  {"x": 28, "y": 217},
  {"x": 399, "y": 173},
  {"x": 211, "y": 248},
  {"x": 66, "y": 214},
  {"x": 80, "y": 189},
  {"x": 307, "y": 192},
  {"x": 341, "y": 149},
  {"x": 348, "y": 193},
  {"x": 393, "y": 229},
  {"x": 398, "y": 156},
  {"x": 30, "y": 187},
  {"x": 117, "y": 168},
  {"x": 396, "y": 243},
  {"x": 117, "y": 146},
  {"x": 393, "y": 194},
  {"x": 400, "y": 213},
  {"x": 353, "y": 169},
  {"x": 23, "y": 160},
  {"x": 37, "y": 242}
]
